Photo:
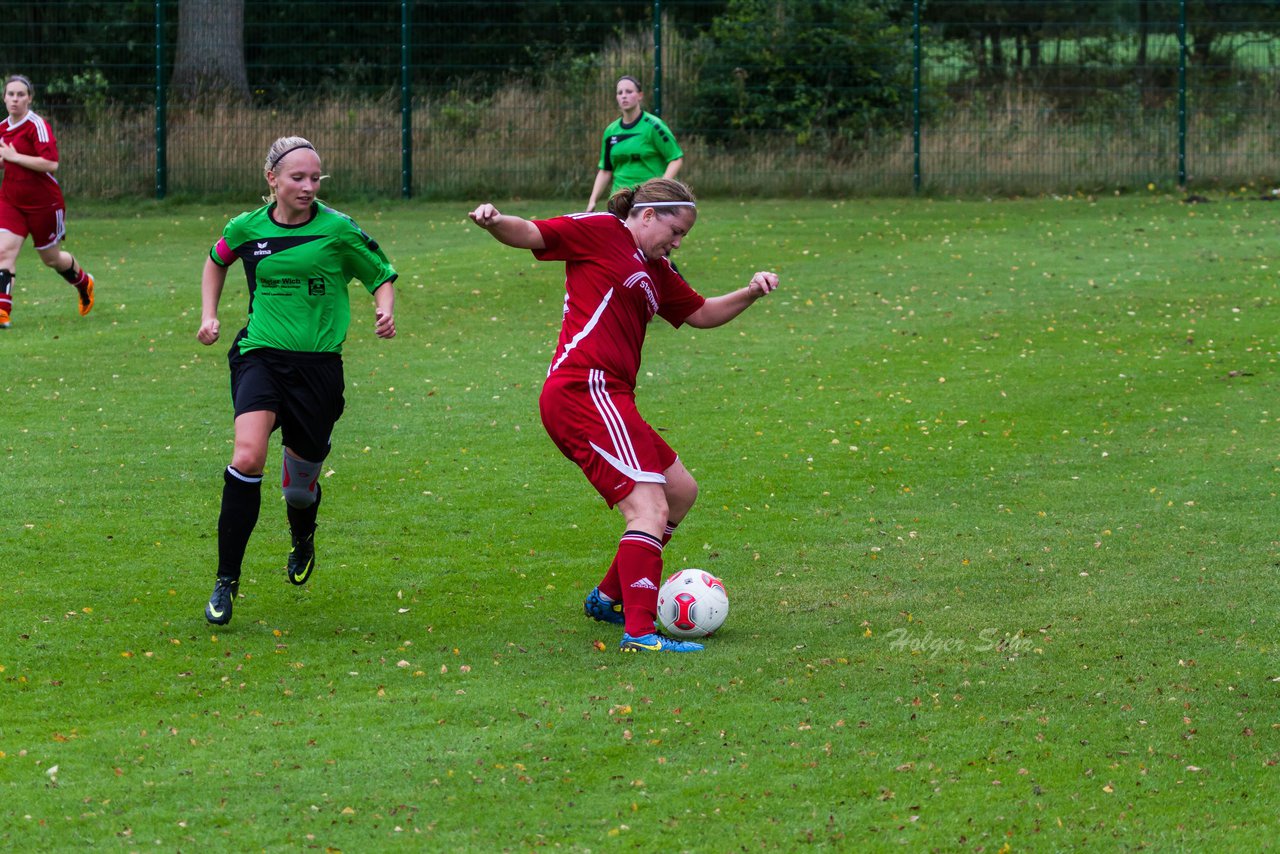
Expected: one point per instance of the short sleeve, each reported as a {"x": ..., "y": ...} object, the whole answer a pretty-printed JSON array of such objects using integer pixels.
[
  {"x": 605, "y": 164},
  {"x": 666, "y": 143},
  {"x": 47, "y": 148},
  {"x": 679, "y": 299},
  {"x": 222, "y": 254},
  {"x": 365, "y": 260},
  {"x": 233, "y": 234},
  {"x": 569, "y": 238}
]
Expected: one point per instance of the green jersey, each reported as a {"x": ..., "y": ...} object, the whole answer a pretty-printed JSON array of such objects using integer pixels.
[
  {"x": 298, "y": 277},
  {"x": 639, "y": 151}
]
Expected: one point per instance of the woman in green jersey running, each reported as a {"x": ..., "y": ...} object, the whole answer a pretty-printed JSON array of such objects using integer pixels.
[
  {"x": 286, "y": 363},
  {"x": 636, "y": 147}
]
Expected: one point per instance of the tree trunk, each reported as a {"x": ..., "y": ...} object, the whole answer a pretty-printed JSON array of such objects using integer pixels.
[{"x": 210, "y": 52}]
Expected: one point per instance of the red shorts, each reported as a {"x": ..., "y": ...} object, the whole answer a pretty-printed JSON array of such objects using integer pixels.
[
  {"x": 46, "y": 225},
  {"x": 594, "y": 422}
]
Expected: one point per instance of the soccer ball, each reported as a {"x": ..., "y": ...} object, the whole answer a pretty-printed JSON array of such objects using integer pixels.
[{"x": 692, "y": 603}]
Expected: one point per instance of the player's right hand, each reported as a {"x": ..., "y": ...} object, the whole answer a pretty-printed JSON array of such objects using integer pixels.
[{"x": 208, "y": 331}]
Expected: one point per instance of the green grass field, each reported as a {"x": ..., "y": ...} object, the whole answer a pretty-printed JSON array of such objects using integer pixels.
[{"x": 992, "y": 486}]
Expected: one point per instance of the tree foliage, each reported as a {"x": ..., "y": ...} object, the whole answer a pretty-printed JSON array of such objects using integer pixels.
[{"x": 823, "y": 71}]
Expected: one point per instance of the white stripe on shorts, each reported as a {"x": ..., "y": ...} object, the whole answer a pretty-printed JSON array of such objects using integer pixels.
[{"x": 612, "y": 418}]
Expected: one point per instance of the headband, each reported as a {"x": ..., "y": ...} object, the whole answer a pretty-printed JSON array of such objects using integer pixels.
[
  {"x": 281, "y": 155},
  {"x": 664, "y": 205},
  {"x": 18, "y": 78}
]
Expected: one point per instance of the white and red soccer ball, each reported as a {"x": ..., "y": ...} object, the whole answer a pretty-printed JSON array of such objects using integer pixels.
[{"x": 692, "y": 603}]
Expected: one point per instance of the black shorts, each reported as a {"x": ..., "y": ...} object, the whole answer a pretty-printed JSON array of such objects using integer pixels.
[{"x": 304, "y": 390}]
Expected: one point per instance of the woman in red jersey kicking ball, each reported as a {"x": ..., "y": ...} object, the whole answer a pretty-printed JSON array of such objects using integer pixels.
[
  {"x": 30, "y": 198},
  {"x": 617, "y": 277}
]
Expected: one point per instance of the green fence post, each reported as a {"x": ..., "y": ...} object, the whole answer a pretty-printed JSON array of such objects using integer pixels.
[
  {"x": 915, "y": 96},
  {"x": 1182, "y": 93},
  {"x": 657, "y": 57},
  {"x": 162, "y": 167},
  {"x": 406, "y": 104}
]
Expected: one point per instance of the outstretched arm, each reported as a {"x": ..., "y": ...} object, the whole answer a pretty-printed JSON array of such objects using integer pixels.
[
  {"x": 717, "y": 311},
  {"x": 511, "y": 230}
]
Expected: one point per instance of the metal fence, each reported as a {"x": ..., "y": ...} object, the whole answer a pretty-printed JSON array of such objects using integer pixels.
[{"x": 768, "y": 97}]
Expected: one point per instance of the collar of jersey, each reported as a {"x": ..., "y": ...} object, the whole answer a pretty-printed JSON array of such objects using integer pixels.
[
  {"x": 315, "y": 211},
  {"x": 626, "y": 126}
]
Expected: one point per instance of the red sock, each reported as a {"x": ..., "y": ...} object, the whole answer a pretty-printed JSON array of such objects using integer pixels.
[
  {"x": 671, "y": 529},
  {"x": 611, "y": 586},
  {"x": 639, "y": 564}
]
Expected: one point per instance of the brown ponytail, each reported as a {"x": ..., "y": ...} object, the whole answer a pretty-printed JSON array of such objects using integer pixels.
[{"x": 664, "y": 194}]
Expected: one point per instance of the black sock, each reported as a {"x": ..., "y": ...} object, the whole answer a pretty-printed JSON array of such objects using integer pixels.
[
  {"x": 302, "y": 520},
  {"x": 70, "y": 273},
  {"x": 6, "y": 290},
  {"x": 241, "y": 501}
]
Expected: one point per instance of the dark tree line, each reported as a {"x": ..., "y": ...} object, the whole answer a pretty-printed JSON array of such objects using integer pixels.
[
  {"x": 338, "y": 41},
  {"x": 1012, "y": 35},
  {"x": 830, "y": 65}
]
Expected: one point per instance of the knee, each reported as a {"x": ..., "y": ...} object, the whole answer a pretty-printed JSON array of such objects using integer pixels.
[
  {"x": 688, "y": 492},
  {"x": 646, "y": 507},
  {"x": 299, "y": 481},
  {"x": 248, "y": 461},
  {"x": 682, "y": 492}
]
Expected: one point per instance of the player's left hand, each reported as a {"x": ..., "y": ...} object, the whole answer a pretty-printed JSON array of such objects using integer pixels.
[
  {"x": 486, "y": 216},
  {"x": 384, "y": 324},
  {"x": 762, "y": 283}
]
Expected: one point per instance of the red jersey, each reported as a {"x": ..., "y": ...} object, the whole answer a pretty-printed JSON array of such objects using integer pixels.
[
  {"x": 611, "y": 293},
  {"x": 23, "y": 187}
]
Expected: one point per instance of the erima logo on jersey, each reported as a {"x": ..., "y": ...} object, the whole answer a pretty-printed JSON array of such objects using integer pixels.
[
  {"x": 644, "y": 584},
  {"x": 262, "y": 249}
]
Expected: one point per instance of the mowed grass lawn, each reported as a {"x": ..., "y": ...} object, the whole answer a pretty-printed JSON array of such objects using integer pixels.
[{"x": 992, "y": 486}]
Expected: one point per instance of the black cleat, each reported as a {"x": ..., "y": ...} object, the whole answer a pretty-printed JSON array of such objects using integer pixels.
[
  {"x": 218, "y": 609},
  {"x": 302, "y": 559}
]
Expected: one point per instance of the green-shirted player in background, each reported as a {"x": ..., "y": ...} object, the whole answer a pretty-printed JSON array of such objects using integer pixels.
[
  {"x": 636, "y": 147},
  {"x": 286, "y": 364}
]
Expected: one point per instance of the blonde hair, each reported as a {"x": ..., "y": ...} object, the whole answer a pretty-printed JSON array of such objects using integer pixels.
[
  {"x": 662, "y": 194},
  {"x": 277, "y": 152}
]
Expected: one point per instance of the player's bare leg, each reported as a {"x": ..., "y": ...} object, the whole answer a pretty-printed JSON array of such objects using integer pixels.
[{"x": 64, "y": 264}]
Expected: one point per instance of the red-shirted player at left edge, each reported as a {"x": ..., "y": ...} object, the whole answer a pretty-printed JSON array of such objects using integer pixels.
[
  {"x": 617, "y": 277},
  {"x": 30, "y": 198}
]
